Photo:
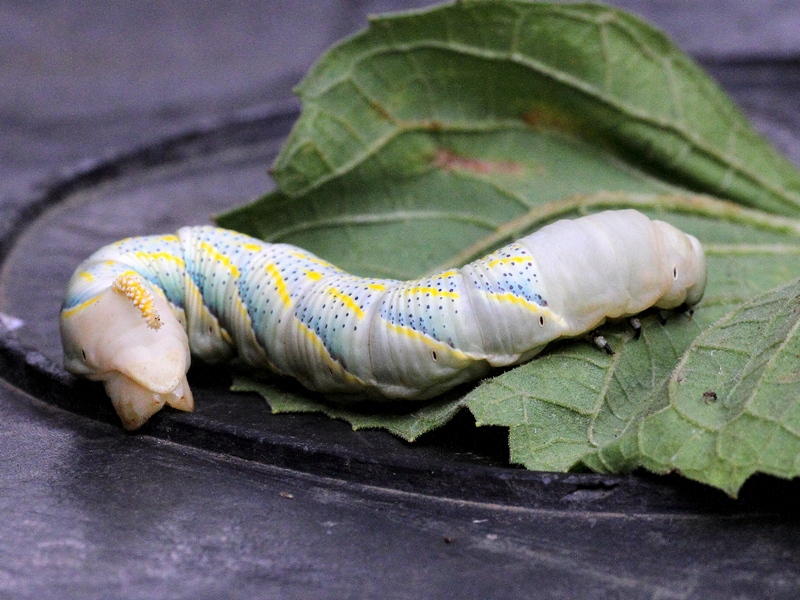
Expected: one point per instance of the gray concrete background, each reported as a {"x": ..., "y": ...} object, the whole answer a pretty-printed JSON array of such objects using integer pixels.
[{"x": 88, "y": 512}]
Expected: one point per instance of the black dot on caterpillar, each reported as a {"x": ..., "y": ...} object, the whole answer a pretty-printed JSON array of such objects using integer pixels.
[{"x": 406, "y": 339}]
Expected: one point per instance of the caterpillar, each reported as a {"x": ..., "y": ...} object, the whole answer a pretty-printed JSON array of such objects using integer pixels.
[{"x": 137, "y": 309}]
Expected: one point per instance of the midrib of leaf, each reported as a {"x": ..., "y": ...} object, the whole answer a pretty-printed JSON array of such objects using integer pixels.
[
  {"x": 675, "y": 127},
  {"x": 750, "y": 249},
  {"x": 701, "y": 205},
  {"x": 385, "y": 217}
]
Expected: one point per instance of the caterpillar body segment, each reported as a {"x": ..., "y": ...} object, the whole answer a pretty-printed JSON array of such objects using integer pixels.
[{"x": 217, "y": 294}]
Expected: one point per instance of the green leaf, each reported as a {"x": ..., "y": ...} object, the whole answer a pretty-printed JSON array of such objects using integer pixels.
[
  {"x": 732, "y": 407},
  {"x": 392, "y": 98},
  {"x": 564, "y": 406},
  {"x": 445, "y": 125},
  {"x": 406, "y": 420},
  {"x": 433, "y": 137},
  {"x": 575, "y": 406}
]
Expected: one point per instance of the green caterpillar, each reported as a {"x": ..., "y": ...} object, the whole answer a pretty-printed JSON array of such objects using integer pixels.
[{"x": 135, "y": 310}]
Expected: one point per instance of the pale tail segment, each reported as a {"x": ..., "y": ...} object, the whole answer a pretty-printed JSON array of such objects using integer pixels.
[{"x": 135, "y": 309}]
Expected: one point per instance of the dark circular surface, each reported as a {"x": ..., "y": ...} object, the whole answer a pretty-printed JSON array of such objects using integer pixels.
[
  {"x": 183, "y": 180},
  {"x": 234, "y": 502}
]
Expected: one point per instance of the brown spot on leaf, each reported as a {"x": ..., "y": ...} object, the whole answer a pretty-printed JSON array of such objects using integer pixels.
[
  {"x": 448, "y": 160},
  {"x": 435, "y": 126},
  {"x": 545, "y": 117},
  {"x": 790, "y": 377}
]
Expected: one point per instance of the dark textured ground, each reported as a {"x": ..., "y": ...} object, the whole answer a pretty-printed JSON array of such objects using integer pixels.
[{"x": 224, "y": 504}]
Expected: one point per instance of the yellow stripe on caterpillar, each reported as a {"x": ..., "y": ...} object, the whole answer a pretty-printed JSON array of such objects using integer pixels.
[
  {"x": 142, "y": 255},
  {"x": 280, "y": 283},
  {"x": 220, "y": 258},
  {"x": 347, "y": 301}
]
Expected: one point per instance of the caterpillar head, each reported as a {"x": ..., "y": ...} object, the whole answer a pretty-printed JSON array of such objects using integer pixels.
[
  {"x": 128, "y": 338},
  {"x": 689, "y": 270}
]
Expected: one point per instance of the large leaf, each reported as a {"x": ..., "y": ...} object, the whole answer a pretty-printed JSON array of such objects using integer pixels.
[
  {"x": 463, "y": 126},
  {"x": 444, "y": 125},
  {"x": 394, "y": 95},
  {"x": 576, "y": 406},
  {"x": 732, "y": 407}
]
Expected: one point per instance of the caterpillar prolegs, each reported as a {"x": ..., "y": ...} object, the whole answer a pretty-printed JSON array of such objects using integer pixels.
[{"x": 136, "y": 308}]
